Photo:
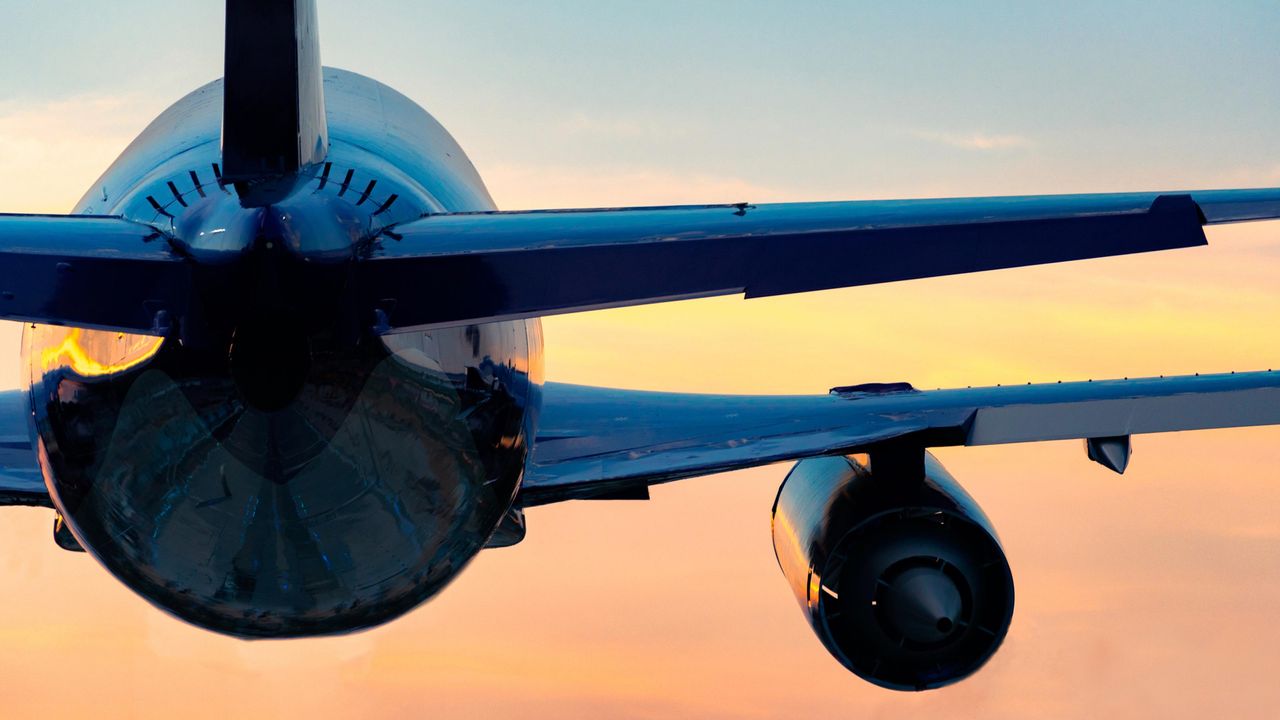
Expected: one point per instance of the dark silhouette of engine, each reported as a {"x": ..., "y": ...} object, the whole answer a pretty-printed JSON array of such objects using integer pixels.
[{"x": 897, "y": 569}]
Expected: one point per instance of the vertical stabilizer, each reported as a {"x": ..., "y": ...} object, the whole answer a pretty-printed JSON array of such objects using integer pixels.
[{"x": 273, "y": 121}]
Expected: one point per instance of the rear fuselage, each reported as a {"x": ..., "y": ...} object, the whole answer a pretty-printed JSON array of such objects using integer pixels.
[{"x": 275, "y": 466}]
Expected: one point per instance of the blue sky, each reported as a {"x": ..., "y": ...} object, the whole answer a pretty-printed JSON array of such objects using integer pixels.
[{"x": 818, "y": 99}]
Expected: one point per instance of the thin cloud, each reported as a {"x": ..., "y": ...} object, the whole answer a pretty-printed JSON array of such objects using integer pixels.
[
  {"x": 1254, "y": 532},
  {"x": 629, "y": 128},
  {"x": 50, "y": 151},
  {"x": 537, "y": 186},
  {"x": 976, "y": 141},
  {"x": 1248, "y": 175}
]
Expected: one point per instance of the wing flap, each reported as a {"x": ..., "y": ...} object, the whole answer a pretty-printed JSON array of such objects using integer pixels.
[
  {"x": 1120, "y": 417},
  {"x": 602, "y": 440}
]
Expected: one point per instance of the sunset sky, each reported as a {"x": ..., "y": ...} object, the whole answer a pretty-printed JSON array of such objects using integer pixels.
[{"x": 1148, "y": 595}]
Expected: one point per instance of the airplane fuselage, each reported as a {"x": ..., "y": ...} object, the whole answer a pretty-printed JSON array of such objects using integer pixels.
[{"x": 276, "y": 466}]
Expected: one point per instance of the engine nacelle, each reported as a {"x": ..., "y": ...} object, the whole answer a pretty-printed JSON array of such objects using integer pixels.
[{"x": 901, "y": 577}]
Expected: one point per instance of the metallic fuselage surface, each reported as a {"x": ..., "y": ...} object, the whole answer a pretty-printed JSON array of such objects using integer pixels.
[{"x": 276, "y": 466}]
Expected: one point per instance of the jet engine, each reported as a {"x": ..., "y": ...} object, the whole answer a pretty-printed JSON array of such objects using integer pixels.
[{"x": 897, "y": 569}]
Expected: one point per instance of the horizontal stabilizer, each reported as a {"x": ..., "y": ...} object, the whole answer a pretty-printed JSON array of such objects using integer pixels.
[
  {"x": 465, "y": 268},
  {"x": 96, "y": 272}
]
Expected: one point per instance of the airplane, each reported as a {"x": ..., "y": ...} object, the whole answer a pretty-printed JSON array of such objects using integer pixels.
[{"x": 283, "y": 369}]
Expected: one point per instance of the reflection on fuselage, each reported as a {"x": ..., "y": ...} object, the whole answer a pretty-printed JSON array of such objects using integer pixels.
[
  {"x": 355, "y": 502},
  {"x": 273, "y": 466}
]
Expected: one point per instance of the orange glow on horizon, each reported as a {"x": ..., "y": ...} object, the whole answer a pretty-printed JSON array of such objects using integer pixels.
[{"x": 676, "y": 607}]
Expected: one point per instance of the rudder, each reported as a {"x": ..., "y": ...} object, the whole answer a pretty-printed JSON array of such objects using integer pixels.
[{"x": 273, "y": 110}]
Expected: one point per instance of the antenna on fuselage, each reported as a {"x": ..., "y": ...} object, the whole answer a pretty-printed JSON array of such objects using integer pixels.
[{"x": 273, "y": 118}]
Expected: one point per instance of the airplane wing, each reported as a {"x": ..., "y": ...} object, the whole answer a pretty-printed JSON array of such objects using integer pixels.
[
  {"x": 607, "y": 443},
  {"x": 20, "y": 480},
  {"x": 476, "y": 267}
]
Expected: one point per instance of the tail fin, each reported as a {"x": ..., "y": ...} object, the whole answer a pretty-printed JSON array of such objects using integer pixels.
[{"x": 273, "y": 121}]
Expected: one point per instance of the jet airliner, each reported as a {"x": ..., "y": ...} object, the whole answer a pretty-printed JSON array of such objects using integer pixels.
[{"x": 283, "y": 369}]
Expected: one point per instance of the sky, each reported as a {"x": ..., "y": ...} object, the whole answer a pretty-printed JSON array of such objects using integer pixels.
[{"x": 1147, "y": 595}]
